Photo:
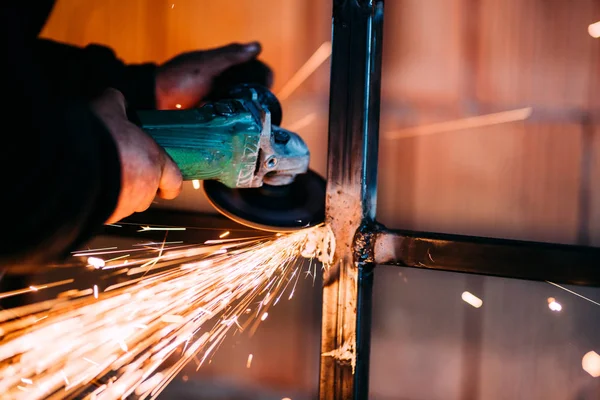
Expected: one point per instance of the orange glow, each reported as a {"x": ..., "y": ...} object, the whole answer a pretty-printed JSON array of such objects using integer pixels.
[{"x": 315, "y": 61}]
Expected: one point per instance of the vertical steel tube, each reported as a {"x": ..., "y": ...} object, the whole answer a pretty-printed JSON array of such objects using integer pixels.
[{"x": 351, "y": 196}]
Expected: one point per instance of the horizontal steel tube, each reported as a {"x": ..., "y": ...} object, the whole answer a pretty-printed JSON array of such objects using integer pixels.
[{"x": 497, "y": 257}]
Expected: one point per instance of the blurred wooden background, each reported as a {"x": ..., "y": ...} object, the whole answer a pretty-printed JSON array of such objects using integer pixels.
[{"x": 444, "y": 60}]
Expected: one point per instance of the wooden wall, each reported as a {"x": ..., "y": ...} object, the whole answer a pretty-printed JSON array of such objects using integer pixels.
[{"x": 446, "y": 60}]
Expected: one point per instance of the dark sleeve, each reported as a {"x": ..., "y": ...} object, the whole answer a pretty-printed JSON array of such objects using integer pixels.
[
  {"x": 87, "y": 71},
  {"x": 60, "y": 166}
]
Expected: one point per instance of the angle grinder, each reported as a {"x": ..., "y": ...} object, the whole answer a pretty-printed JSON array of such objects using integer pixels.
[{"x": 252, "y": 170}]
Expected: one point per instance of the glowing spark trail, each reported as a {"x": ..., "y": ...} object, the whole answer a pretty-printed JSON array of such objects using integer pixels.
[
  {"x": 479, "y": 121},
  {"x": 574, "y": 293},
  {"x": 315, "y": 61},
  {"x": 117, "y": 345}
]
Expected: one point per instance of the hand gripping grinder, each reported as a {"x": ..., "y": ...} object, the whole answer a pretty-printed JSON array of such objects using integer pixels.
[{"x": 252, "y": 171}]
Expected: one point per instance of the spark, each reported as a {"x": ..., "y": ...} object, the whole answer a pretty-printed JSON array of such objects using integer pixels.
[
  {"x": 574, "y": 293},
  {"x": 196, "y": 184},
  {"x": 594, "y": 30},
  {"x": 554, "y": 305},
  {"x": 82, "y": 252},
  {"x": 122, "y": 345},
  {"x": 96, "y": 262},
  {"x": 472, "y": 299},
  {"x": 591, "y": 363},
  {"x": 62, "y": 373},
  {"x": 95, "y": 291},
  {"x": 224, "y": 234},
  {"x": 172, "y": 319},
  {"x": 159, "y": 228},
  {"x": 233, "y": 240},
  {"x": 310, "y": 66},
  {"x": 264, "y": 316},
  {"x": 108, "y": 252},
  {"x": 4, "y": 295},
  {"x": 117, "y": 258},
  {"x": 27, "y": 381},
  {"x": 176, "y": 105},
  {"x": 249, "y": 362},
  {"x": 193, "y": 300},
  {"x": 463, "y": 123},
  {"x": 302, "y": 122},
  {"x": 158, "y": 243}
]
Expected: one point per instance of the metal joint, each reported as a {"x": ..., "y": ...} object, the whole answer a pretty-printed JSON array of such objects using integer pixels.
[{"x": 364, "y": 243}]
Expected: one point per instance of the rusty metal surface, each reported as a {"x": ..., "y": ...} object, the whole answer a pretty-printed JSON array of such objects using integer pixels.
[
  {"x": 351, "y": 195},
  {"x": 565, "y": 264}
]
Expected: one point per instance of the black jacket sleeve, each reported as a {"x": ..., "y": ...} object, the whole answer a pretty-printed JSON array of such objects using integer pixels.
[
  {"x": 86, "y": 72},
  {"x": 60, "y": 166}
]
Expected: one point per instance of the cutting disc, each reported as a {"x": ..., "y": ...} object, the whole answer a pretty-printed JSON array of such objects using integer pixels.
[{"x": 292, "y": 207}]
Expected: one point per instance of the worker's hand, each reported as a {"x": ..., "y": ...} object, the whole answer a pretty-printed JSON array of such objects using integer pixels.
[
  {"x": 145, "y": 167},
  {"x": 186, "y": 79}
]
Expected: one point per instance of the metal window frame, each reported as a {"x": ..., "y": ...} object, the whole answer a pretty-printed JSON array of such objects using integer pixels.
[{"x": 362, "y": 243}]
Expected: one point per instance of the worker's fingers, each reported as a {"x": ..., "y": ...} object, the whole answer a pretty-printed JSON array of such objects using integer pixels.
[
  {"x": 115, "y": 217},
  {"x": 146, "y": 174},
  {"x": 218, "y": 60},
  {"x": 148, "y": 192},
  {"x": 250, "y": 72},
  {"x": 111, "y": 102},
  {"x": 171, "y": 181},
  {"x": 185, "y": 80}
]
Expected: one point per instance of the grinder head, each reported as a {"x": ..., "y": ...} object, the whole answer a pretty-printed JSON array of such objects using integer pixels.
[
  {"x": 297, "y": 205},
  {"x": 285, "y": 195}
]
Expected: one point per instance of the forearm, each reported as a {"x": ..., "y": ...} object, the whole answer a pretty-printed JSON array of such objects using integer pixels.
[
  {"x": 86, "y": 72},
  {"x": 61, "y": 170},
  {"x": 60, "y": 167},
  {"x": 64, "y": 183}
]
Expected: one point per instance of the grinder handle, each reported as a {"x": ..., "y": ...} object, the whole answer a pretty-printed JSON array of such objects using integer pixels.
[{"x": 205, "y": 143}]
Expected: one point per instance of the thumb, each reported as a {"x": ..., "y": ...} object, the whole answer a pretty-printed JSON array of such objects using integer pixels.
[
  {"x": 111, "y": 101},
  {"x": 218, "y": 60}
]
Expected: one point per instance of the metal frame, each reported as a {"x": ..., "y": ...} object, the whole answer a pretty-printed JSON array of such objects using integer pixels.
[{"x": 362, "y": 243}]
